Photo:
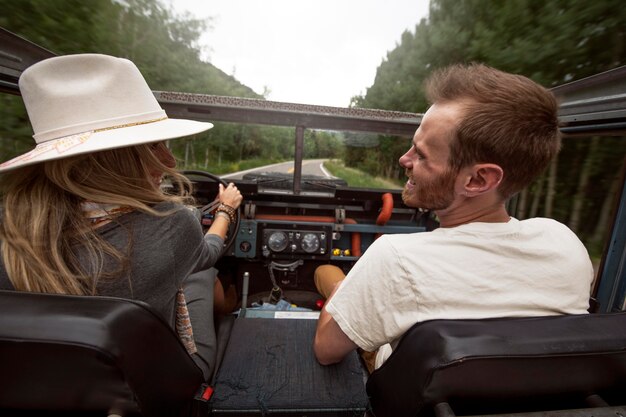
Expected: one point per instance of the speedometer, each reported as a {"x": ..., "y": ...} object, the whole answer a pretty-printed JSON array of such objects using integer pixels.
[
  {"x": 310, "y": 243},
  {"x": 277, "y": 241}
]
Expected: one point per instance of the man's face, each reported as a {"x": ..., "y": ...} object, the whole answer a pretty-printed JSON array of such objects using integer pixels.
[{"x": 431, "y": 182}]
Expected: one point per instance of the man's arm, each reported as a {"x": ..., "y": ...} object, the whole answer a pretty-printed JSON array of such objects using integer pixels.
[{"x": 331, "y": 344}]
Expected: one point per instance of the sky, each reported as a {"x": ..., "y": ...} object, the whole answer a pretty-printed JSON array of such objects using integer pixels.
[{"x": 320, "y": 52}]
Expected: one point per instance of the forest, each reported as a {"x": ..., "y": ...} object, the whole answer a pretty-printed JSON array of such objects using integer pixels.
[{"x": 552, "y": 42}]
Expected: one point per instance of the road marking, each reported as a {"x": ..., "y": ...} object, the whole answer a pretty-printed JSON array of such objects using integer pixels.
[{"x": 328, "y": 174}]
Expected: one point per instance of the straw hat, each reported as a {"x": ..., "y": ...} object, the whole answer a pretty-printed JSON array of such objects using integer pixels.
[{"x": 89, "y": 102}]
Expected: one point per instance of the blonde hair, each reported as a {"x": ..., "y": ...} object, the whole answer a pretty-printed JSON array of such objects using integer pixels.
[{"x": 43, "y": 223}]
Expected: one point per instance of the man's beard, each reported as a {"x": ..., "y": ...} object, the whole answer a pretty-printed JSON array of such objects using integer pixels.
[{"x": 438, "y": 194}]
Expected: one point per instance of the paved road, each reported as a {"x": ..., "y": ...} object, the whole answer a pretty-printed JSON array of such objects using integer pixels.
[{"x": 309, "y": 167}]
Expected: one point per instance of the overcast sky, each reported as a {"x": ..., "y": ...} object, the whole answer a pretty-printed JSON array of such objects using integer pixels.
[{"x": 304, "y": 51}]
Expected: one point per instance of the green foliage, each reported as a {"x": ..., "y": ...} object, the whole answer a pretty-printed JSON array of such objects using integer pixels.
[
  {"x": 15, "y": 128},
  {"x": 232, "y": 145},
  {"x": 323, "y": 144},
  {"x": 357, "y": 178}
]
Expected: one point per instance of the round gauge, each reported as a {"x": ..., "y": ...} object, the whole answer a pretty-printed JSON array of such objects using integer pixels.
[
  {"x": 277, "y": 241},
  {"x": 310, "y": 243}
]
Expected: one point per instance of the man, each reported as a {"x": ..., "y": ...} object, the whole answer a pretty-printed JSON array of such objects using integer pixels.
[{"x": 486, "y": 136}]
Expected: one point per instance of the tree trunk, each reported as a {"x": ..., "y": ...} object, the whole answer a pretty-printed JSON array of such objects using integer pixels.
[
  {"x": 241, "y": 140},
  {"x": 187, "y": 152},
  {"x": 602, "y": 225},
  {"x": 583, "y": 181},
  {"x": 551, "y": 191},
  {"x": 534, "y": 207},
  {"x": 193, "y": 152}
]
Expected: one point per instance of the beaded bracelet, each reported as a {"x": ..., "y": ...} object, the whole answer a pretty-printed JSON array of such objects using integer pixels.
[{"x": 225, "y": 208}]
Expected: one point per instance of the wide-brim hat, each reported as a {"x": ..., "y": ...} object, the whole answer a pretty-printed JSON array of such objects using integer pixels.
[{"x": 88, "y": 103}]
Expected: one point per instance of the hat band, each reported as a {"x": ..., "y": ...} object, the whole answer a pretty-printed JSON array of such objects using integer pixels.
[
  {"x": 145, "y": 122},
  {"x": 96, "y": 126},
  {"x": 62, "y": 145}
]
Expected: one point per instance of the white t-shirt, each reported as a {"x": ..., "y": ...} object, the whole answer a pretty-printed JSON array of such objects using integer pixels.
[{"x": 532, "y": 267}]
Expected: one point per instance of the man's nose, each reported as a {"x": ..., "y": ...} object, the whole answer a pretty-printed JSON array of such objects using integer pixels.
[{"x": 405, "y": 161}]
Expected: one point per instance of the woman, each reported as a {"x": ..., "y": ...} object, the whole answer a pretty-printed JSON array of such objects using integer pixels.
[{"x": 84, "y": 213}]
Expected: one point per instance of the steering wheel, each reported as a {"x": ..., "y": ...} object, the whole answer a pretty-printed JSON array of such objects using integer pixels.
[{"x": 233, "y": 227}]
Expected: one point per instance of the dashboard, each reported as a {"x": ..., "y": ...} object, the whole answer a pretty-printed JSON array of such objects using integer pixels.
[{"x": 282, "y": 238}]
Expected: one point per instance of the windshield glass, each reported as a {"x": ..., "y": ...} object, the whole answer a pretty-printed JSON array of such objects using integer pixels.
[{"x": 267, "y": 155}]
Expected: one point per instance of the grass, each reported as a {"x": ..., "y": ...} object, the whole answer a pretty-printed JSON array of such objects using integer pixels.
[{"x": 357, "y": 178}]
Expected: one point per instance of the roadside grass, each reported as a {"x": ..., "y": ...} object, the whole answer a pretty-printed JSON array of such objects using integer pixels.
[{"x": 357, "y": 178}]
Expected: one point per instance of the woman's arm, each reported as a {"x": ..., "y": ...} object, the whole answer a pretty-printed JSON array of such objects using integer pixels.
[{"x": 231, "y": 198}]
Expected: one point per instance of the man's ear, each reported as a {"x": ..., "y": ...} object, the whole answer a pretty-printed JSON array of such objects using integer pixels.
[{"x": 483, "y": 178}]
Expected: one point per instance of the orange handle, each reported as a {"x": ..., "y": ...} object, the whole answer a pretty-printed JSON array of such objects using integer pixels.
[{"x": 386, "y": 210}]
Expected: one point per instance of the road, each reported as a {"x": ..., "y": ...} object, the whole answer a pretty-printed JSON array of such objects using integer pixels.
[{"x": 309, "y": 167}]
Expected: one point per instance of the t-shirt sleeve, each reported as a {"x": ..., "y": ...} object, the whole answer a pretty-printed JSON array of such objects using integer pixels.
[{"x": 369, "y": 303}]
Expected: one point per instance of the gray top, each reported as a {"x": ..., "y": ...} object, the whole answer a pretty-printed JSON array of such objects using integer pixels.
[{"x": 163, "y": 253}]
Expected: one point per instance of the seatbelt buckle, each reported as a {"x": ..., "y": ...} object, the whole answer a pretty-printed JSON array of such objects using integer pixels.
[{"x": 204, "y": 393}]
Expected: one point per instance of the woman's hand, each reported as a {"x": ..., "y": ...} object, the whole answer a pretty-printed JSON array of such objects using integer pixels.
[{"x": 230, "y": 195}]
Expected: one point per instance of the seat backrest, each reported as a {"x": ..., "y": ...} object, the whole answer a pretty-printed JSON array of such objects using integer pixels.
[
  {"x": 84, "y": 353},
  {"x": 490, "y": 365}
]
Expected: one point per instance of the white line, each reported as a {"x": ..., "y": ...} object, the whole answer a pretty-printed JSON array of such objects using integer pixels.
[{"x": 328, "y": 175}]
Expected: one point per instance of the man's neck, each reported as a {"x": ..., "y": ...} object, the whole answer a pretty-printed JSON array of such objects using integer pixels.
[{"x": 472, "y": 211}]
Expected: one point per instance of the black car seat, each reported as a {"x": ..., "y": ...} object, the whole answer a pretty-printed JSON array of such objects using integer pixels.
[
  {"x": 92, "y": 356},
  {"x": 488, "y": 366}
]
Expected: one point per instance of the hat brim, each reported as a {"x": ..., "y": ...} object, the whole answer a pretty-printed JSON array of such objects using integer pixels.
[{"x": 89, "y": 142}]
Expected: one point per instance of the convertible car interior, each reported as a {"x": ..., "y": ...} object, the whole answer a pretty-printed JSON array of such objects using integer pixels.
[{"x": 70, "y": 355}]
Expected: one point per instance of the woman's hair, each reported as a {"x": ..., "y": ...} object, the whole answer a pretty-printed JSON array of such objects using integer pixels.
[
  {"x": 44, "y": 226},
  {"x": 508, "y": 120}
]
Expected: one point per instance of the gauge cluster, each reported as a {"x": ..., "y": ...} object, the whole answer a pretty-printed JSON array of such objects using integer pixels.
[{"x": 290, "y": 242}]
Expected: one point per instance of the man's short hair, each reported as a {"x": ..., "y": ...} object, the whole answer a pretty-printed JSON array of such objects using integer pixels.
[{"x": 508, "y": 120}]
